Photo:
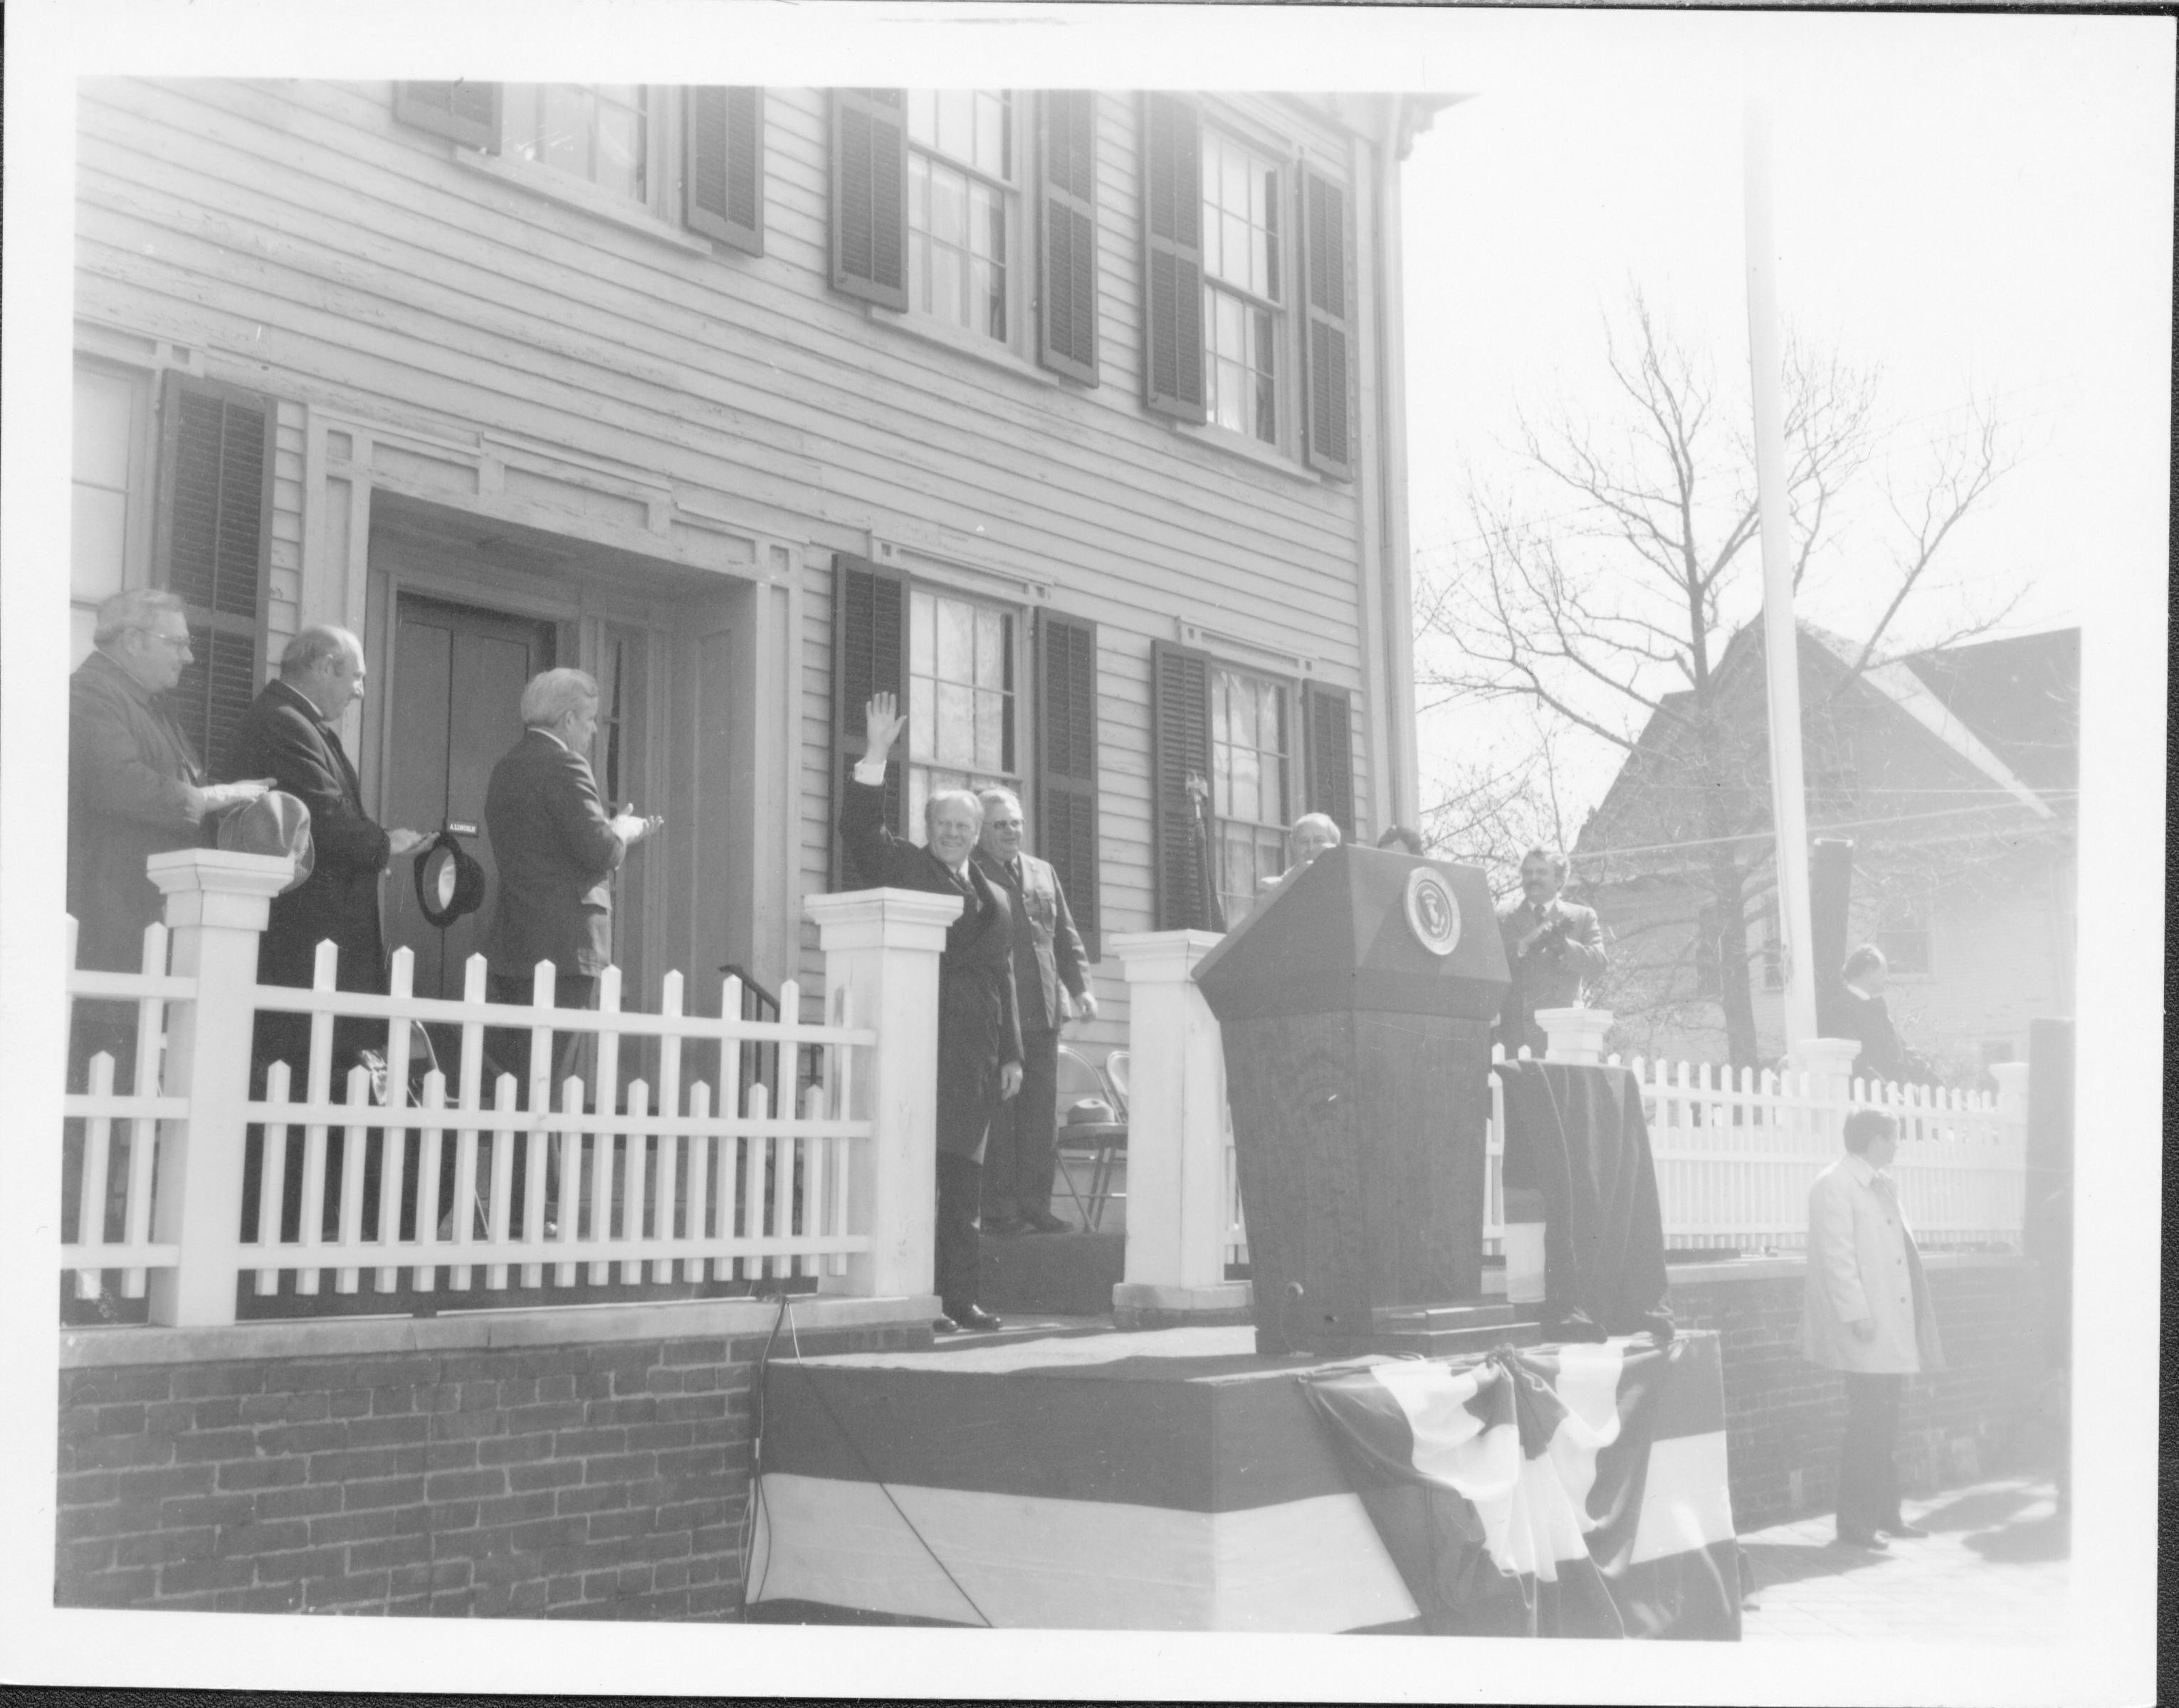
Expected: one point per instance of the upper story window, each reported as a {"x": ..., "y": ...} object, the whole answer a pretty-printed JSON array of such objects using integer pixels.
[
  {"x": 1241, "y": 287},
  {"x": 597, "y": 132},
  {"x": 1250, "y": 784},
  {"x": 962, "y": 671},
  {"x": 1247, "y": 287},
  {"x": 646, "y": 156},
  {"x": 961, "y": 206}
]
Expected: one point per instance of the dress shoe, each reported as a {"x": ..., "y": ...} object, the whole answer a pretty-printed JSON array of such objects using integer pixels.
[
  {"x": 974, "y": 1317},
  {"x": 1044, "y": 1222},
  {"x": 1900, "y": 1527},
  {"x": 944, "y": 1324},
  {"x": 1861, "y": 1539}
]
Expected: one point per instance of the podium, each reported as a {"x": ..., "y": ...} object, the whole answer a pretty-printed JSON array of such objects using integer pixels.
[{"x": 1356, "y": 1004}]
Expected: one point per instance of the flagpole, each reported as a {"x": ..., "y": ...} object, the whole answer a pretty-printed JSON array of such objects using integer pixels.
[{"x": 1780, "y": 647}]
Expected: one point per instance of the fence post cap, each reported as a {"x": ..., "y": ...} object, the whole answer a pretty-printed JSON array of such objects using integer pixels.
[
  {"x": 219, "y": 871},
  {"x": 1169, "y": 954},
  {"x": 887, "y": 918},
  {"x": 1826, "y": 1055}
]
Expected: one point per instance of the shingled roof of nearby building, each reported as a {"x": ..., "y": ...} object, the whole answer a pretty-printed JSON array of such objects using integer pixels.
[
  {"x": 2021, "y": 696},
  {"x": 2007, "y": 710}
]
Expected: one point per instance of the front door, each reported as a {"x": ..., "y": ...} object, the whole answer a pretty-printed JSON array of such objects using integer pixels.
[{"x": 459, "y": 672}]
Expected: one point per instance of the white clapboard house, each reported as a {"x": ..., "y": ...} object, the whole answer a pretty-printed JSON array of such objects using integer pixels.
[{"x": 1076, "y": 418}]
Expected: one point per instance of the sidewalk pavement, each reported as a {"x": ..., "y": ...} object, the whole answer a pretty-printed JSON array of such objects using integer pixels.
[{"x": 1989, "y": 1571}]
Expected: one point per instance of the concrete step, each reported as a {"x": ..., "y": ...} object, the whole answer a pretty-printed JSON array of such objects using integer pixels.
[{"x": 1067, "y": 1274}]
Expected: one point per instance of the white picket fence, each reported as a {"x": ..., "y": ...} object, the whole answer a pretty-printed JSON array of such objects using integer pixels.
[
  {"x": 1735, "y": 1153},
  {"x": 620, "y": 1182}
]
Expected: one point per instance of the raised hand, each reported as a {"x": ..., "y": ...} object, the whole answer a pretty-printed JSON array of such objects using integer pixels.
[{"x": 882, "y": 725}]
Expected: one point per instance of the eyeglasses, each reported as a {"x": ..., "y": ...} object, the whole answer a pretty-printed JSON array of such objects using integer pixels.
[{"x": 180, "y": 642}]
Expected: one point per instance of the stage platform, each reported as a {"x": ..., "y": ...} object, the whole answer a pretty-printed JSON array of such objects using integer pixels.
[{"x": 1172, "y": 1479}]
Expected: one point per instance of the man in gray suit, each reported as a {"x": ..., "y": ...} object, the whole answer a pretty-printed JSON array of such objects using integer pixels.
[
  {"x": 557, "y": 848},
  {"x": 1051, "y": 972}
]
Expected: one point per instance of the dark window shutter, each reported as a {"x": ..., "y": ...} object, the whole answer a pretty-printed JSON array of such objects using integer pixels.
[
  {"x": 468, "y": 112},
  {"x": 1067, "y": 764},
  {"x": 1172, "y": 256},
  {"x": 214, "y": 546},
  {"x": 1331, "y": 326},
  {"x": 869, "y": 194},
  {"x": 1066, "y": 261},
  {"x": 1180, "y": 745},
  {"x": 725, "y": 170},
  {"x": 1328, "y": 730},
  {"x": 869, "y": 656}
]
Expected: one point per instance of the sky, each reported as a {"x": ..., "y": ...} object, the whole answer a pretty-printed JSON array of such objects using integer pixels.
[{"x": 1970, "y": 205}]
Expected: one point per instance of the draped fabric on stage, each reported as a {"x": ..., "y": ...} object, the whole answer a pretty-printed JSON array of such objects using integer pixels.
[
  {"x": 1519, "y": 1495},
  {"x": 1575, "y": 1136}
]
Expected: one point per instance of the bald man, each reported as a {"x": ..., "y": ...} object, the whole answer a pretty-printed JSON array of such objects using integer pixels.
[{"x": 287, "y": 735}]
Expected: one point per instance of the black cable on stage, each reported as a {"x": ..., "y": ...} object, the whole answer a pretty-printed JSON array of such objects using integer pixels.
[
  {"x": 755, "y": 1499},
  {"x": 832, "y": 1417}
]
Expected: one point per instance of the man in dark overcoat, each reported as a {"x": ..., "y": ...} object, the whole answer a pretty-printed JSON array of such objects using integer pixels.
[
  {"x": 980, "y": 1043},
  {"x": 557, "y": 847},
  {"x": 288, "y": 734},
  {"x": 1051, "y": 972}
]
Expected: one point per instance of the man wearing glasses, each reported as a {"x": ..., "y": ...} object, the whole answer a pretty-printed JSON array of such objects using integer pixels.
[{"x": 136, "y": 787}]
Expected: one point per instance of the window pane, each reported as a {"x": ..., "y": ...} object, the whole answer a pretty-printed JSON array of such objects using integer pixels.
[
  {"x": 947, "y": 126},
  {"x": 948, "y": 218},
  {"x": 1247, "y": 784},
  {"x": 620, "y": 151},
  {"x": 990, "y": 665},
  {"x": 97, "y": 543},
  {"x": 104, "y": 405},
  {"x": 919, "y": 651},
  {"x": 563, "y": 137},
  {"x": 922, "y": 717},
  {"x": 956, "y": 731},
  {"x": 990, "y": 732},
  {"x": 956, "y": 640},
  {"x": 922, "y": 116}
]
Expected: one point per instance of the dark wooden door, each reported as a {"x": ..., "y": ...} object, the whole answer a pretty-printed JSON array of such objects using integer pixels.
[{"x": 457, "y": 678}]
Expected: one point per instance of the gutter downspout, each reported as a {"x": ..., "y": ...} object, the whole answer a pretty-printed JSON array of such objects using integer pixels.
[{"x": 1404, "y": 792}]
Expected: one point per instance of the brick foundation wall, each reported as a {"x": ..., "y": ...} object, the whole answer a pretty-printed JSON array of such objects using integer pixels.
[
  {"x": 1984, "y": 1414},
  {"x": 604, "y": 1477}
]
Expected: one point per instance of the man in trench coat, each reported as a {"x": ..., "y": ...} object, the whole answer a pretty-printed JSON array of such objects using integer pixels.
[
  {"x": 980, "y": 1044},
  {"x": 1866, "y": 1312}
]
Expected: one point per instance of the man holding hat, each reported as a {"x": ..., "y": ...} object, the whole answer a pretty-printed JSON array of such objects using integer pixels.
[{"x": 288, "y": 734}]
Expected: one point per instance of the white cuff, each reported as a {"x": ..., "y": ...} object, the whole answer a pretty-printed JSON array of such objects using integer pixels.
[{"x": 870, "y": 772}]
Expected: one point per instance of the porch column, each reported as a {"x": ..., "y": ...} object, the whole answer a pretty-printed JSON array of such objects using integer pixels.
[
  {"x": 881, "y": 947},
  {"x": 216, "y": 905},
  {"x": 1177, "y": 1208},
  {"x": 1829, "y": 1064},
  {"x": 1574, "y": 1034}
]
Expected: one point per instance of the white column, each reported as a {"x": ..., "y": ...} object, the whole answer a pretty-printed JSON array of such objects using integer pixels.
[
  {"x": 1177, "y": 1212},
  {"x": 1829, "y": 1064},
  {"x": 216, "y": 905},
  {"x": 881, "y": 947},
  {"x": 1574, "y": 1034}
]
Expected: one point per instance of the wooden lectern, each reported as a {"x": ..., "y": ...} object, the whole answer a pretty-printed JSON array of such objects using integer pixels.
[{"x": 1356, "y": 1004}]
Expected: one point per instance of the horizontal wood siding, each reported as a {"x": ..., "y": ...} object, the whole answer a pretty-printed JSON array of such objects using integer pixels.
[{"x": 309, "y": 246}]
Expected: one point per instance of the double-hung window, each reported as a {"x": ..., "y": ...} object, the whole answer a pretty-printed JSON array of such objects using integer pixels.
[
  {"x": 962, "y": 669},
  {"x": 963, "y": 215},
  {"x": 1251, "y": 755},
  {"x": 1247, "y": 301},
  {"x": 994, "y": 694},
  {"x": 1258, "y": 751},
  {"x": 639, "y": 153},
  {"x": 598, "y": 133},
  {"x": 1243, "y": 328},
  {"x": 109, "y": 494}
]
